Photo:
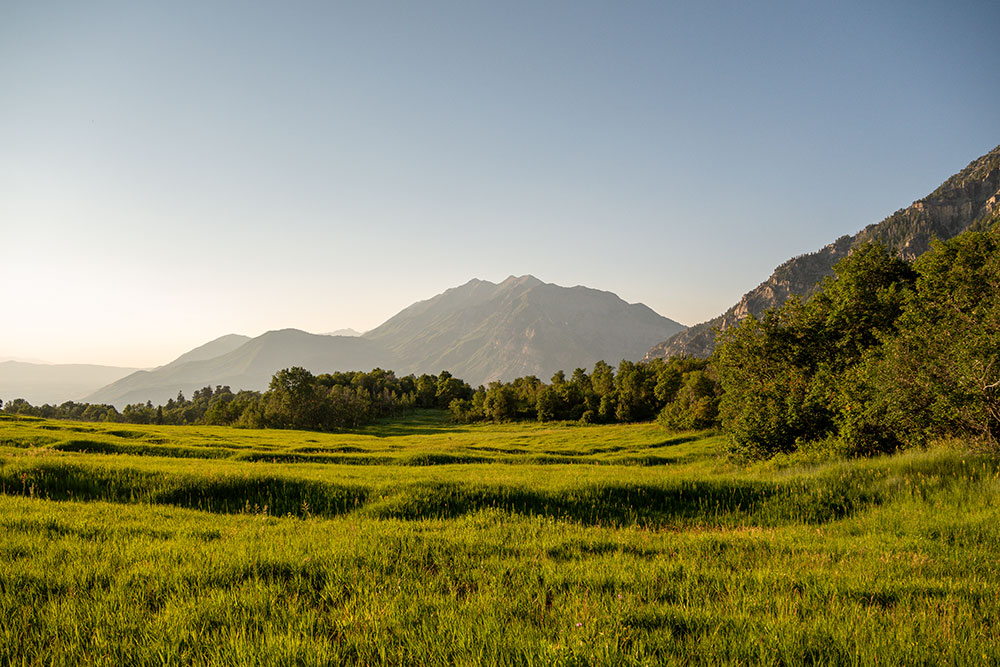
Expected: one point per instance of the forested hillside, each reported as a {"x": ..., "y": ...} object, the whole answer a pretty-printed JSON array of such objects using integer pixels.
[{"x": 886, "y": 355}]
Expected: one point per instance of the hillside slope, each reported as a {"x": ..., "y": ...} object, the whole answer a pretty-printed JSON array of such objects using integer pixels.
[
  {"x": 969, "y": 196},
  {"x": 212, "y": 349}
]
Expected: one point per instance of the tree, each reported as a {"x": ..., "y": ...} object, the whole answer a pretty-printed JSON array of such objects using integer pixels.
[
  {"x": 785, "y": 375},
  {"x": 293, "y": 400},
  {"x": 547, "y": 404},
  {"x": 940, "y": 376},
  {"x": 695, "y": 404},
  {"x": 449, "y": 388},
  {"x": 499, "y": 402},
  {"x": 634, "y": 387},
  {"x": 426, "y": 388},
  {"x": 602, "y": 379}
]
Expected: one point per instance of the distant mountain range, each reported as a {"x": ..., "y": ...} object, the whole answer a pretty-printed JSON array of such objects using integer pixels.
[
  {"x": 970, "y": 197},
  {"x": 40, "y": 383},
  {"x": 480, "y": 332},
  {"x": 343, "y": 332},
  {"x": 243, "y": 363}
]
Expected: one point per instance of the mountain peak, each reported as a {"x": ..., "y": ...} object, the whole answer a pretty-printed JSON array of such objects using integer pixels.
[
  {"x": 478, "y": 331},
  {"x": 526, "y": 280}
]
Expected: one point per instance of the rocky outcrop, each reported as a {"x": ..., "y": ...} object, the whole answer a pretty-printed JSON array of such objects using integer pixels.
[{"x": 969, "y": 196}]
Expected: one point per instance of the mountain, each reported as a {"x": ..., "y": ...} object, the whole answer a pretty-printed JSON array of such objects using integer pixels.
[
  {"x": 54, "y": 383},
  {"x": 212, "y": 349},
  {"x": 482, "y": 331},
  {"x": 248, "y": 366},
  {"x": 343, "y": 332},
  {"x": 970, "y": 197}
]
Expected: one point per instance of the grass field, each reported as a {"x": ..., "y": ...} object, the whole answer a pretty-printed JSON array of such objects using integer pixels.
[{"x": 424, "y": 542}]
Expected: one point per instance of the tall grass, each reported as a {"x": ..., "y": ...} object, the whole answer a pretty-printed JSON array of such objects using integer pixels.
[{"x": 131, "y": 558}]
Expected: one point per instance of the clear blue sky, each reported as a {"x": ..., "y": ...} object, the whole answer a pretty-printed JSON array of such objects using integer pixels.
[{"x": 171, "y": 172}]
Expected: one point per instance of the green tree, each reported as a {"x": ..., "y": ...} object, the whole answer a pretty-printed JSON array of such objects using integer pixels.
[
  {"x": 499, "y": 404},
  {"x": 602, "y": 379},
  {"x": 634, "y": 388},
  {"x": 426, "y": 390},
  {"x": 293, "y": 400},
  {"x": 784, "y": 376},
  {"x": 940, "y": 375},
  {"x": 449, "y": 388},
  {"x": 695, "y": 404},
  {"x": 547, "y": 404}
]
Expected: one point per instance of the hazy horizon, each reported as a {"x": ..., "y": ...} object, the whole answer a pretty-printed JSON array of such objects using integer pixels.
[{"x": 175, "y": 173}]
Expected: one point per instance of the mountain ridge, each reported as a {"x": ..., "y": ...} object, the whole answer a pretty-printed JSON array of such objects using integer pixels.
[
  {"x": 212, "y": 349},
  {"x": 960, "y": 202},
  {"x": 55, "y": 383}
]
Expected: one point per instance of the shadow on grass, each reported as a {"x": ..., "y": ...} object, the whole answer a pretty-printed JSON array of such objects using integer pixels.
[
  {"x": 137, "y": 449},
  {"x": 224, "y": 494},
  {"x": 420, "y": 422},
  {"x": 27, "y": 441},
  {"x": 673, "y": 503},
  {"x": 426, "y": 459},
  {"x": 679, "y": 440},
  {"x": 670, "y": 503},
  {"x": 576, "y": 549}
]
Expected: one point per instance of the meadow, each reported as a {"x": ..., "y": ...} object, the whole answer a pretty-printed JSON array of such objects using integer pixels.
[{"x": 426, "y": 542}]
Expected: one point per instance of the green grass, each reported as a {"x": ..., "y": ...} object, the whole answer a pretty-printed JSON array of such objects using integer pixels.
[{"x": 426, "y": 543}]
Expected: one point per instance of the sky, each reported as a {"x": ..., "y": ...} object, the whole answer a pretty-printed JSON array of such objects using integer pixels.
[{"x": 172, "y": 172}]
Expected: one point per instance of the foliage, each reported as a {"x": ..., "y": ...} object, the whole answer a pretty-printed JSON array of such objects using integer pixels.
[
  {"x": 696, "y": 402},
  {"x": 885, "y": 355},
  {"x": 940, "y": 375},
  {"x": 783, "y": 375},
  {"x": 684, "y": 391},
  {"x": 295, "y": 399}
]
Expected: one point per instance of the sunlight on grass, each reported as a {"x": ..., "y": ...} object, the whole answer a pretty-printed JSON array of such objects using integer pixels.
[{"x": 509, "y": 544}]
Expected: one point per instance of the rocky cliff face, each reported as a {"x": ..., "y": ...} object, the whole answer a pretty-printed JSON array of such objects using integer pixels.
[{"x": 967, "y": 198}]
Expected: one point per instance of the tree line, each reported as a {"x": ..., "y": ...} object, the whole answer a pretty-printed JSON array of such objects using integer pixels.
[
  {"x": 682, "y": 392},
  {"x": 295, "y": 398}
]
